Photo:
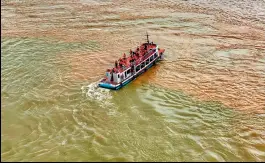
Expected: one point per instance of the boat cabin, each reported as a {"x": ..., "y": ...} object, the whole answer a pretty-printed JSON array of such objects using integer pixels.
[{"x": 127, "y": 66}]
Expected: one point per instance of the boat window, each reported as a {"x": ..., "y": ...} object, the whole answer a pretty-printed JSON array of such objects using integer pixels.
[
  {"x": 147, "y": 61},
  {"x": 151, "y": 58},
  {"x": 155, "y": 55},
  {"x": 125, "y": 74},
  {"x": 142, "y": 65},
  {"x": 118, "y": 76},
  {"x": 137, "y": 68},
  {"x": 128, "y": 71}
]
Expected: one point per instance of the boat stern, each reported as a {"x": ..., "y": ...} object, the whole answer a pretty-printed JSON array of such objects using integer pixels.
[
  {"x": 161, "y": 53},
  {"x": 107, "y": 85}
]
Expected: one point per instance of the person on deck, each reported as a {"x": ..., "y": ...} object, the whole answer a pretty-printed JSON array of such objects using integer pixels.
[
  {"x": 120, "y": 62},
  {"x": 131, "y": 53},
  {"x": 111, "y": 79},
  {"x": 116, "y": 64},
  {"x": 124, "y": 56},
  {"x": 137, "y": 54}
]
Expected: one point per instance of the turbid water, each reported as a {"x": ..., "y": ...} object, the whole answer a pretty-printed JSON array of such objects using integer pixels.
[{"x": 204, "y": 102}]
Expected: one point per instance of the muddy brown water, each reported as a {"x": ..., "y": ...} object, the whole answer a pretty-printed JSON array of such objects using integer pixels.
[{"x": 204, "y": 102}]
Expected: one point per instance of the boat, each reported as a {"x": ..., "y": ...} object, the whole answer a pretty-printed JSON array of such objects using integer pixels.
[{"x": 128, "y": 68}]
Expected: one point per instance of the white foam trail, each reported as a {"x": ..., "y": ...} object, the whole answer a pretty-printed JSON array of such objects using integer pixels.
[
  {"x": 100, "y": 95},
  {"x": 94, "y": 92}
]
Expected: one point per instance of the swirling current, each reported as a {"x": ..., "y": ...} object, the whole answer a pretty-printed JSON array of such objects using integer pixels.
[{"x": 204, "y": 102}]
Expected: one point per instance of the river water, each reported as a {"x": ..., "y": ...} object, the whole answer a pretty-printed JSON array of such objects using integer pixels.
[{"x": 204, "y": 102}]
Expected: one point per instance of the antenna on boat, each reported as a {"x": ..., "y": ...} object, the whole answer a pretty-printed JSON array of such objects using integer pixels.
[{"x": 147, "y": 37}]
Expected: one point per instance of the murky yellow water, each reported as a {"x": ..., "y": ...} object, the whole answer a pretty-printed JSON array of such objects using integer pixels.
[{"x": 205, "y": 102}]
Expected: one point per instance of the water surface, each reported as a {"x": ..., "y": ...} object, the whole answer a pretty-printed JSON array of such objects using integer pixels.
[{"x": 204, "y": 102}]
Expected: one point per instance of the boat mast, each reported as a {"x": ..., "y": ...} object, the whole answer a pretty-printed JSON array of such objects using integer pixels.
[{"x": 147, "y": 37}]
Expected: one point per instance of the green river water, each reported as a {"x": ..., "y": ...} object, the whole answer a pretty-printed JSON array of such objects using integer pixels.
[{"x": 52, "y": 111}]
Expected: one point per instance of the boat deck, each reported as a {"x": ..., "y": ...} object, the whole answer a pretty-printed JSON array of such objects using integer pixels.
[
  {"x": 139, "y": 55},
  {"x": 104, "y": 80}
]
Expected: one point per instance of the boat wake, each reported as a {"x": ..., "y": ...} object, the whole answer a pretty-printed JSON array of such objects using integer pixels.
[
  {"x": 94, "y": 92},
  {"x": 101, "y": 96}
]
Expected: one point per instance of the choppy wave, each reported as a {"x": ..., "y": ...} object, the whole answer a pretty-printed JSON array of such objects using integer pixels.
[
  {"x": 96, "y": 93},
  {"x": 205, "y": 102}
]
